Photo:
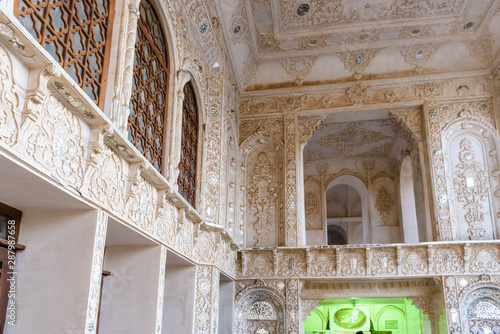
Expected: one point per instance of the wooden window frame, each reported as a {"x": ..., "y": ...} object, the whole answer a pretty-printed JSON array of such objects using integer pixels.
[
  {"x": 143, "y": 98},
  {"x": 190, "y": 193},
  {"x": 64, "y": 42}
]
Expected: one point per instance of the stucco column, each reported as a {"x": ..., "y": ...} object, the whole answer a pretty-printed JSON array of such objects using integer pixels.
[
  {"x": 161, "y": 288},
  {"x": 451, "y": 292},
  {"x": 292, "y": 306},
  {"x": 96, "y": 273},
  {"x": 292, "y": 237},
  {"x": 322, "y": 169},
  {"x": 175, "y": 144},
  {"x": 442, "y": 225},
  {"x": 206, "y": 308},
  {"x": 125, "y": 61}
]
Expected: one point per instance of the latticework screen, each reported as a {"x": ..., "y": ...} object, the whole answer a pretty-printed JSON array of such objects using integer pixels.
[
  {"x": 148, "y": 105},
  {"x": 77, "y": 34},
  {"x": 189, "y": 146}
]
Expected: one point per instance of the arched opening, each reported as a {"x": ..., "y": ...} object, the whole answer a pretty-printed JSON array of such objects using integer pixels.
[
  {"x": 148, "y": 103},
  {"x": 408, "y": 208},
  {"x": 188, "y": 163},
  {"x": 259, "y": 311},
  {"x": 483, "y": 315},
  {"x": 336, "y": 235},
  {"x": 346, "y": 211}
]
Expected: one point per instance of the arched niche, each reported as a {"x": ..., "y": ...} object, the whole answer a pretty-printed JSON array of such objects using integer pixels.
[
  {"x": 408, "y": 210},
  {"x": 230, "y": 174},
  {"x": 358, "y": 190},
  {"x": 259, "y": 309},
  {"x": 263, "y": 195},
  {"x": 396, "y": 316},
  {"x": 480, "y": 310},
  {"x": 471, "y": 158}
]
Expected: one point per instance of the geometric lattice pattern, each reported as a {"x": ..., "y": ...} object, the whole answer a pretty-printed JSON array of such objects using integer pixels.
[
  {"x": 189, "y": 146},
  {"x": 484, "y": 308},
  {"x": 75, "y": 33},
  {"x": 261, "y": 310},
  {"x": 148, "y": 104}
]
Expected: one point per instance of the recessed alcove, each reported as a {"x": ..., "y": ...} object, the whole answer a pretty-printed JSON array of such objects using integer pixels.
[
  {"x": 178, "y": 299},
  {"x": 226, "y": 311},
  {"x": 130, "y": 289},
  {"x": 53, "y": 271}
]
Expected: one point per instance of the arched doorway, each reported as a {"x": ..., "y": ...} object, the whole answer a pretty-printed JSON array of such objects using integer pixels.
[
  {"x": 337, "y": 235},
  {"x": 346, "y": 209}
]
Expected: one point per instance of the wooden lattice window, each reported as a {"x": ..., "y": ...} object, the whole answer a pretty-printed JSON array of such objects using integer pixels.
[
  {"x": 148, "y": 106},
  {"x": 77, "y": 34},
  {"x": 189, "y": 146}
]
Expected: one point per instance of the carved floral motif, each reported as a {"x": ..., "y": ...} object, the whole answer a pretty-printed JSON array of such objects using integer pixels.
[
  {"x": 8, "y": 98},
  {"x": 262, "y": 199},
  {"x": 414, "y": 261},
  {"x": 105, "y": 179},
  {"x": 353, "y": 263},
  {"x": 323, "y": 263},
  {"x": 140, "y": 207},
  {"x": 55, "y": 141},
  {"x": 471, "y": 185},
  {"x": 384, "y": 204}
]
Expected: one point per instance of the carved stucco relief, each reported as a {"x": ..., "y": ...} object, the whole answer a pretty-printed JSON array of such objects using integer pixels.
[
  {"x": 442, "y": 118},
  {"x": 141, "y": 206},
  {"x": 9, "y": 102},
  {"x": 125, "y": 61},
  {"x": 459, "y": 292},
  {"x": 353, "y": 262},
  {"x": 204, "y": 247},
  {"x": 384, "y": 204},
  {"x": 307, "y": 307},
  {"x": 54, "y": 141},
  {"x": 292, "y": 306},
  {"x": 96, "y": 273},
  {"x": 323, "y": 264},
  {"x": 268, "y": 291},
  {"x": 292, "y": 237},
  {"x": 292, "y": 264},
  {"x": 471, "y": 186},
  {"x": 263, "y": 196},
  {"x": 259, "y": 265},
  {"x": 312, "y": 205},
  {"x": 448, "y": 259},
  {"x": 165, "y": 223},
  {"x": 384, "y": 262},
  {"x": 205, "y": 300},
  {"x": 104, "y": 179},
  {"x": 413, "y": 261}
]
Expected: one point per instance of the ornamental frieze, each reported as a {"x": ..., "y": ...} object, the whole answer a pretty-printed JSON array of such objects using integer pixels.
[
  {"x": 369, "y": 94},
  {"x": 371, "y": 260}
]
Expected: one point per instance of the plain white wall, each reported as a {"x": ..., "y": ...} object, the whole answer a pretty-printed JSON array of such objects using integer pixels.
[
  {"x": 53, "y": 272},
  {"x": 129, "y": 295}
]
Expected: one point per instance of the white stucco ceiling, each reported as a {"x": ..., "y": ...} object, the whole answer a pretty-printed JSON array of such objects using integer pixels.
[
  {"x": 334, "y": 41},
  {"x": 353, "y": 139}
]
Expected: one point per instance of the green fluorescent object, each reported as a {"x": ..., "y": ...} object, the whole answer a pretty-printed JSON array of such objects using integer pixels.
[{"x": 350, "y": 318}]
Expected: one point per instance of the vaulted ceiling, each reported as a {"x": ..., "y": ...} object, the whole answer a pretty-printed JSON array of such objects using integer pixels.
[{"x": 293, "y": 45}]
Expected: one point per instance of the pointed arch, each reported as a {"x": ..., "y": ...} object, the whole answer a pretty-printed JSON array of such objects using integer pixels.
[{"x": 188, "y": 164}]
